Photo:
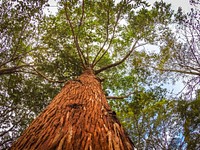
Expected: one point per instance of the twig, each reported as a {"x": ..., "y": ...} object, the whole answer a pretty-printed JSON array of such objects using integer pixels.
[
  {"x": 45, "y": 77},
  {"x": 119, "y": 97},
  {"x": 82, "y": 16}
]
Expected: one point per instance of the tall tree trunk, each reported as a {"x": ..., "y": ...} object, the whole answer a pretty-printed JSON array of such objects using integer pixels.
[{"x": 78, "y": 118}]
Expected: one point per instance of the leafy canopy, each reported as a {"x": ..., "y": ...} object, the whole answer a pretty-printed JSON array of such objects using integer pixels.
[{"x": 40, "y": 52}]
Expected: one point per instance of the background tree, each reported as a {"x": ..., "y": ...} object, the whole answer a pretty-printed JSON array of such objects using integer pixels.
[
  {"x": 106, "y": 36},
  {"x": 151, "y": 120},
  {"x": 16, "y": 41},
  {"x": 189, "y": 112},
  {"x": 179, "y": 59},
  {"x": 191, "y": 54},
  {"x": 180, "y": 53},
  {"x": 22, "y": 94}
]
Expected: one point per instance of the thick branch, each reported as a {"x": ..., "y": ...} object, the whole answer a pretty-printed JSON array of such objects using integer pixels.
[
  {"x": 106, "y": 40},
  {"x": 12, "y": 69},
  {"x": 119, "y": 62},
  {"x": 113, "y": 35},
  {"x": 75, "y": 38}
]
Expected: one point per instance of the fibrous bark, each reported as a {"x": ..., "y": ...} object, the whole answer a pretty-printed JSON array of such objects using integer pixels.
[{"x": 78, "y": 118}]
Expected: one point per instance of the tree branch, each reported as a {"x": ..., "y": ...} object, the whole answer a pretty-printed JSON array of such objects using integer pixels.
[
  {"x": 113, "y": 34},
  {"x": 12, "y": 69},
  {"x": 119, "y": 62},
  {"x": 82, "y": 16},
  {"x": 192, "y": 46},
  {"x": 187, "y": 67},
  {"x": 16, "y": 69},
  {"x": 106, "y": 40},
  {"x": 45, "y": 77},
  {"x": 119, "y": 97},
  {"x": 10, "y": 60},
  {"x": 14, "y": 57},
  {"x": 177, "y": 71},
  {"x": 75, "y": 38}
]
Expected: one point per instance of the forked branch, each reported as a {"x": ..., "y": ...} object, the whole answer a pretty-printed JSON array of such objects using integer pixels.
[
  {"x": 12, "y": 69},
  {"x": 106, "y": 40},
  {"x": 75, "y": 38},
  {"x": 118, "y": 62},
  {"x": 95, "y": 61}
]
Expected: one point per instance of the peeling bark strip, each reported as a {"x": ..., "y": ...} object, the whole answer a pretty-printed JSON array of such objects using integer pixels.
[{"x": 78, "y": 118}]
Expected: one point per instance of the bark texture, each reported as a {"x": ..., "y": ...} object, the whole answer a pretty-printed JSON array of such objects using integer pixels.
[{"x": 78, "y": 118}]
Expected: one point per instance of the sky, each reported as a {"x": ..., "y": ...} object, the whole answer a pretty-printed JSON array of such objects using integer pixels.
[{"x": 175, "y": 4}]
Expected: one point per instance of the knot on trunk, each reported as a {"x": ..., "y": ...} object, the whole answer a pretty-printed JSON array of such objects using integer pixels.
[{"x": 75, "y": 105}]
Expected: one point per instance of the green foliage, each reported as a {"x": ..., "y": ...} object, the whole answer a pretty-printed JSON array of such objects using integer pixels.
[
  {"x": 189, "y": 111},
  {"x": 58, "y": 57},
  {"x": 146, "y": 22},
  {"x": 150, "y": 119},
  {"x": 38, "y": 52},
  {"x": 179, "y": 53},
  {"x": 23, "y": 92}
]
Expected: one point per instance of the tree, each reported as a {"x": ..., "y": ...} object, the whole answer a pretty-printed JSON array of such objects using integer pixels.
[
  {"x": 16, "y": 34},
  {"x": 189, "y": 112},
  {"x": 97, "y": 37},
  {"x": 15, "y": 46},
  {"x": 22, "y": 74},
  {"x": 151, "y": 120},
  {"x": 180, "y": 53},
  {"x": 75, "y": 124},
  {"x": 180, "y": 57}
]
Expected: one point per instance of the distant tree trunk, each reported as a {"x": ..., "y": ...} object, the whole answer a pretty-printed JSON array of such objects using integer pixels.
[{"x": 78, "y": 118}]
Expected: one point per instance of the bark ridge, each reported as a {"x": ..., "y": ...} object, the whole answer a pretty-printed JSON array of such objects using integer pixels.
[{"x": 78, "y": 118}]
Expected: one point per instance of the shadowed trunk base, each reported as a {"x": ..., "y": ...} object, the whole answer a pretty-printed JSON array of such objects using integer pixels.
[{"x": 78, "y": 118}]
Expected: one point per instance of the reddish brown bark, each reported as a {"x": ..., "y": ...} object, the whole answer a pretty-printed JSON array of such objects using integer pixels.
[{"x": 78, "y": 118}]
